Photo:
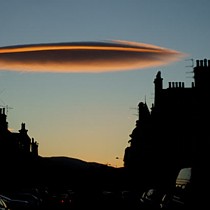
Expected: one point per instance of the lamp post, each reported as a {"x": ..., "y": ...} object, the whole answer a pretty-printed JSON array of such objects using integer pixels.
[{"x": 118, "y": 158}]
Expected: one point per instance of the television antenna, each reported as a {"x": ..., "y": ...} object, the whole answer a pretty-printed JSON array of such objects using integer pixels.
[
  {"x": 192, "y": 62},
  {"x": 135, "y": 109},
  {"x": 191, "y": 66},
  {"x": 6, "y": 108}
]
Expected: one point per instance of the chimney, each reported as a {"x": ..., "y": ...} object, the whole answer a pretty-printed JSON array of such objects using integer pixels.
[
  {"x": 182, "y": 84},
  {"x": 197, "y": 63},
  {"x": 23, "y": 127},
  {"x": 205, "y": 62}
]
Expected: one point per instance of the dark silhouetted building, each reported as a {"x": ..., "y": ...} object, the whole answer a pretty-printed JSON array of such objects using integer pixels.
[
  {"x": 13, "y": 145},
  {"x": 175, "y": 132}
]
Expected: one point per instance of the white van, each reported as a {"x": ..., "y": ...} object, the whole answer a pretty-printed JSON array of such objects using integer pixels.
[
  {"x": 179, "y": 199},
  {"x": 184, "y": 178}
]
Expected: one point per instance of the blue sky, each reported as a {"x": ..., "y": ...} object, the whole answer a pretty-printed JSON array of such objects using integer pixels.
[{"x": 90, "y": 116}]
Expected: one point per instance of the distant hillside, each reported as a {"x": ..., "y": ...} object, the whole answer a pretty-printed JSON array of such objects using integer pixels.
[
  {"x": 61, "y": 172},
  {"x": 67, "y": 162},
  {"x": 67, "y": 171},
  {"x": 73, "y": 163}
]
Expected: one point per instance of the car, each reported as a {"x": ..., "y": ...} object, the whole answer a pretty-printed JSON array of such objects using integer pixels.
[
  {"x": 151, "y": 199},
  {"x": 180, "y": 198},
  {"x": 33, "y": 201},
  {"x": 15, "y": 204},
  {"x": 3, "y": 205},
  {"x": 59, "y": 201}
]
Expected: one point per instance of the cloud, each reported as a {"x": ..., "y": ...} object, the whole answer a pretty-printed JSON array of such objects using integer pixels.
[{"x": 85, "y": 57}]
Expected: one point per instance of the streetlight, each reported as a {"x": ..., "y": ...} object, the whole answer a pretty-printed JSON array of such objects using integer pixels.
[{"x": 118, "y": 158}]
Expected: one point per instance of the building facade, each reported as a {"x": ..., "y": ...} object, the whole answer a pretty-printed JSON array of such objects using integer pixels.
[
  {"x": 18, "y": 144},
  {"x": 174, "y": 133}
]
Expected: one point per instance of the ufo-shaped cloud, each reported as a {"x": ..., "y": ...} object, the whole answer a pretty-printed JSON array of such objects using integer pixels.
[{"x": 85, "y": 57}]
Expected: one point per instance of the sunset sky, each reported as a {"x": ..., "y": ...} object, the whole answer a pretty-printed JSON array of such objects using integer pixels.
[{"x": 88, "y": 115}]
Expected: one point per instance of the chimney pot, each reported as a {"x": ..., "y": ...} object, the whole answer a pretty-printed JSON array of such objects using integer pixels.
[
  {"x": 205, "y": 62},
  {"x": 183, "y": 84}
]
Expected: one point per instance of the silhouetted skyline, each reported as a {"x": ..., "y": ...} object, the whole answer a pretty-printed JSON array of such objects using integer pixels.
[
  {"x": 90, "y": 116},
  {"x": 172, "y": 136},
  {"x": 174, "y": 133}
]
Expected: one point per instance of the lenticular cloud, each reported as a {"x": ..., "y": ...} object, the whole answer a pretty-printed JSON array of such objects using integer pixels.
[{"x": 85, "y": 57}]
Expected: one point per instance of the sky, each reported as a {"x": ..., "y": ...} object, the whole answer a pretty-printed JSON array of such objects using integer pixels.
[{"x": 88, "y": 115}]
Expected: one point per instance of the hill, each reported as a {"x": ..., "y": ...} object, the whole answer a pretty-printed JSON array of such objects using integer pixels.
[
  {"x": 60, "y": 172},
  {"x": 72, "y": 173}
]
